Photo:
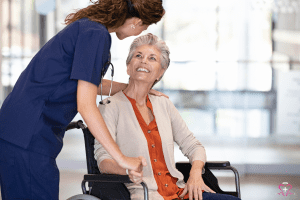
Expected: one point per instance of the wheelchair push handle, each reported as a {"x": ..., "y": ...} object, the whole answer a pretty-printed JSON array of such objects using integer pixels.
[{"x": 77, "y": 125}]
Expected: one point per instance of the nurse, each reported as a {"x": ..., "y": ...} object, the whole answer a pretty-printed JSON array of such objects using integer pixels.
[{"x": 61, "y": 80}]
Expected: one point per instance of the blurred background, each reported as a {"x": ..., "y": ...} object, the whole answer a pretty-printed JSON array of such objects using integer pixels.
[{"x": 234, "y": 76}]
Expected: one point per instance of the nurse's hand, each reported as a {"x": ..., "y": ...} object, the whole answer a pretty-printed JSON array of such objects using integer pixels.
[
  {"x": 157, "y": 93},
  {"x": 135, "y": 177},
  {"x": 135, "y": 164}
]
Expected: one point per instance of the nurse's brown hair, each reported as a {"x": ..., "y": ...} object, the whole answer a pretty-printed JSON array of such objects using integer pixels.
[{"x": 113, "y": 13}]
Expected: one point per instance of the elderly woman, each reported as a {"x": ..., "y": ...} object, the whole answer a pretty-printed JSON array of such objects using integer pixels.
[{"x": 147, "y": 125}]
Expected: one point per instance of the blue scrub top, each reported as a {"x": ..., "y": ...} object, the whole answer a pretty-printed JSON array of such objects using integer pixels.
[{"x": 43, "y": 102}]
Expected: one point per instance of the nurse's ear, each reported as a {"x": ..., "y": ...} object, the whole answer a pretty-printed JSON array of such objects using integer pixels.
[
  {"x": 136, "y": 21},
  {"x": 139, "y": 22}
]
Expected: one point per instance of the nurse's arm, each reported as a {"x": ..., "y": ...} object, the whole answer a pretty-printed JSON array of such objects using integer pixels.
[{"x": 86, "y": 106}]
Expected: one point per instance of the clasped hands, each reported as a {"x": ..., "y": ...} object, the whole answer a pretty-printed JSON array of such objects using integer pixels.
[{"x": 134, "y": 168}]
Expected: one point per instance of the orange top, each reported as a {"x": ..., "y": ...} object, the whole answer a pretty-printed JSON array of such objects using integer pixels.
[{"x": 166, "y": 183}]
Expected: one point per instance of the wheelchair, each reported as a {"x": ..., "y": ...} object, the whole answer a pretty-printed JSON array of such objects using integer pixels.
[{"x": 111, "y": 187}]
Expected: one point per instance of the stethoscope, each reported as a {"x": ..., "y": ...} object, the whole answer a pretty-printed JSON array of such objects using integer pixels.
[{"x": 104, "y": 68}]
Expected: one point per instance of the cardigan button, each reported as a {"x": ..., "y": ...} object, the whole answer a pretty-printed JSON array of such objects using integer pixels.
[
  {"x": 153, "y": 145},
  {"x": 166, "y": 185},
  {"x": 155, "y": 160},
  {"x": 159, "y": 173},
  {"x": 149, "y": 131}
]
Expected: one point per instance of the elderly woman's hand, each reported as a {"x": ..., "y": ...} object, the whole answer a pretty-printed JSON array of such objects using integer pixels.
[
  {"x": 195, "y": 183},
  {"x": 194, "y": 187},
  {"x": 157, "y": 93}
]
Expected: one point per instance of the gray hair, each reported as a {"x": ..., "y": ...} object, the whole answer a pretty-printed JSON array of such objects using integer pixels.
[{"x": 153, "y": 40}]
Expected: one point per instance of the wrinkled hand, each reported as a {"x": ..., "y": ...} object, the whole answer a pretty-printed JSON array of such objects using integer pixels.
[
  {"x": 157, "y": 93},
  {"x": 194, "y": 187},
  {"x": 133, "y": 163}
]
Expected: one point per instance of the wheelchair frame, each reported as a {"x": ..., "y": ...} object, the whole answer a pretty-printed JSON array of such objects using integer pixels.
[{"x": 94, "y": 174}]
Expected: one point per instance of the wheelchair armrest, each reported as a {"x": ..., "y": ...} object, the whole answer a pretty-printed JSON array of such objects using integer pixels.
[
  {"x": 217, "y": 164},
  {"x": 106, "y": 178},
  {"x": 210, "y": 164},
  {"x": 223, "y": 165},
  {"x": 112, "y": 178}
]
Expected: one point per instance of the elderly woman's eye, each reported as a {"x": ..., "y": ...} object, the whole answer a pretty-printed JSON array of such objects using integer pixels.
[
  {"x": 153, "y": 58},
  {"x": 138, "y": 55}
]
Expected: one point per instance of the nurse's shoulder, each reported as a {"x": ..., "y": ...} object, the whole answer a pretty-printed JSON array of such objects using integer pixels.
[{"x": 88, "y": 31}]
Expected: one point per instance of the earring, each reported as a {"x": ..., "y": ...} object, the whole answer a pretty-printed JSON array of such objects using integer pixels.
[{"x": 132, "y": 26}]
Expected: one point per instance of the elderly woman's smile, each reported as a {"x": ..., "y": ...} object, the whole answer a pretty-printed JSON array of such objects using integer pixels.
[{"x": 142, "y": 70}]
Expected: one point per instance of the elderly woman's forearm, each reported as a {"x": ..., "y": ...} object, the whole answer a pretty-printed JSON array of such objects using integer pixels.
[
  {"x": 106, "y": 84},
  {"x": 109, "y": 166},
  {"x": 197, "y": 167}
]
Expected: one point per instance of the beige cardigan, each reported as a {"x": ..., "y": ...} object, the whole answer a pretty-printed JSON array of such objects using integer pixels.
[{"x": 125, "y": 129}]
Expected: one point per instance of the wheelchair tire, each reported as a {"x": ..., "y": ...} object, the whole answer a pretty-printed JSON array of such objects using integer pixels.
[{"x": 83, "y": 197}]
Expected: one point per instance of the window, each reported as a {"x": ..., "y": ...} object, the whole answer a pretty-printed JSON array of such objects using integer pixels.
[{"x": 220, "y": 77}]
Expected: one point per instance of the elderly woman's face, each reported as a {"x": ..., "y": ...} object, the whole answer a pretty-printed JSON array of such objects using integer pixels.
[{"x": 145, "y": 64}]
